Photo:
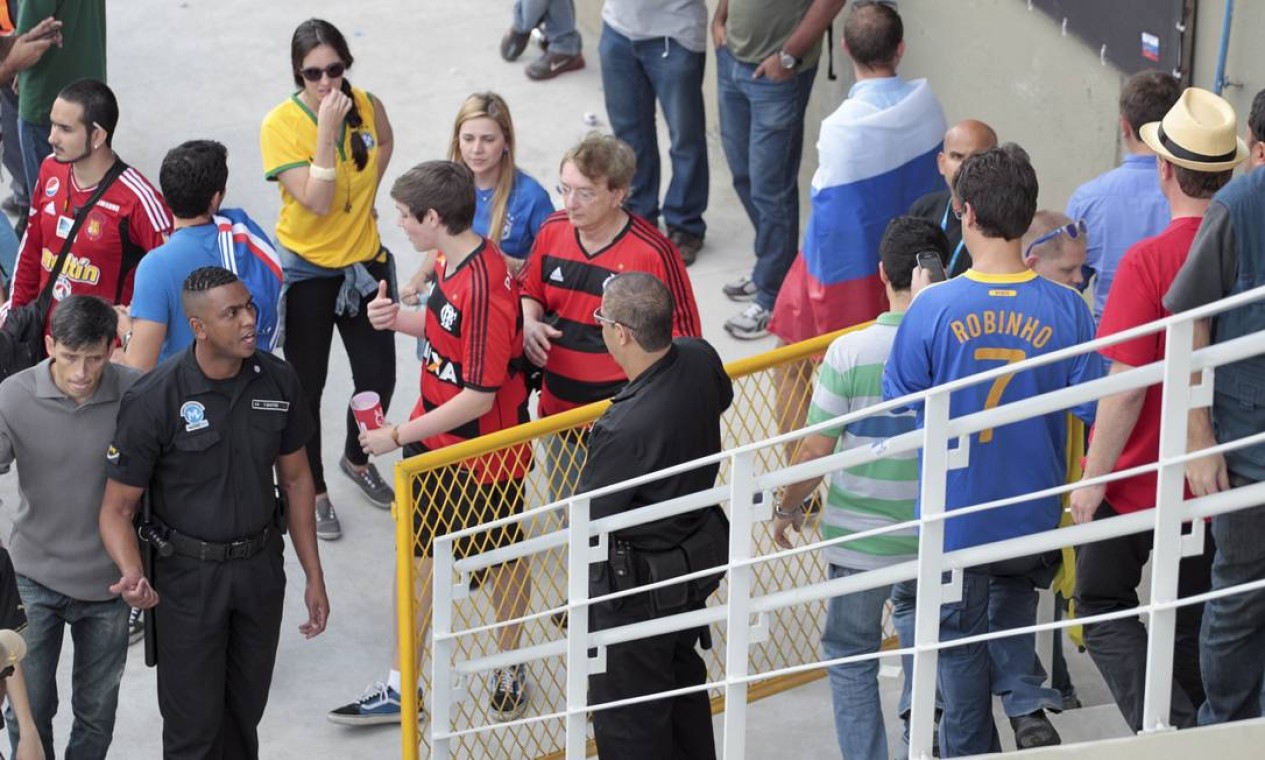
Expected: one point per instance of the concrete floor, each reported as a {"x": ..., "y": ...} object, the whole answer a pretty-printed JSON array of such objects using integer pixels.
[{"x": 201, "y": 70}]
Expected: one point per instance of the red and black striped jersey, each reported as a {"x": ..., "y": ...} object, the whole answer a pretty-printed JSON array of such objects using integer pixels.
[
  {"x": 568, "y": 281},
  {"x": 473, "y": 338}
]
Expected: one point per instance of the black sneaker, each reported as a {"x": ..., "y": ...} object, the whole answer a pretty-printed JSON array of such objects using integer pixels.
[
  {"x": 509, "y": 692},
  {"x": 371, "y": 484},
  {"x": 378, "y": 704},
  {"x": 135, "y": 626},
  {"x": 513, "y": 44},
  {"x": 1034, "y": 730},
  {"x": 687, "y": 243},
  {"x": 551, "y": 64}
]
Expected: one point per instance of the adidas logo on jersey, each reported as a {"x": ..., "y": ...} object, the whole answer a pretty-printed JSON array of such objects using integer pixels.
[{"x": 556, "y": 275}]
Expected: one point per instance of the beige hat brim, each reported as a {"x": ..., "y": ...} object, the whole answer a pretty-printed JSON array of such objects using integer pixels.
[{"x": 1150, "y": 135}]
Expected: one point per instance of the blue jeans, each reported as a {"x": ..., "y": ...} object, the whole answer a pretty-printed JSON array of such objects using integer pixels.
[
  {"x": 35, "y": 148},
  {"x": 969, "y": 675},
  {"x": 634, "y": 74},
  {"x": 854, "y": 625},
  {"x": 1232, "y": 641},
  {"x": 558, "y": 16},
  {"x": 762, "y": 131},
  {"x": 8, "y": 249},
  {"x": 99, "y": 630}
]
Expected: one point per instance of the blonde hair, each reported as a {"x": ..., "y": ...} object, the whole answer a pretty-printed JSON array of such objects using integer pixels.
[{"x": 489, "y": 105}]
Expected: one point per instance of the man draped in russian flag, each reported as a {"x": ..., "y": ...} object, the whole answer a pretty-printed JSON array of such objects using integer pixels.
[{"x": 877, "y": 155}]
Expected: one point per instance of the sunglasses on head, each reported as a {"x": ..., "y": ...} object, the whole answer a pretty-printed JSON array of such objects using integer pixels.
[
  {"x": 313, "y": 73},
  {"x": 1073, "y": 231}
]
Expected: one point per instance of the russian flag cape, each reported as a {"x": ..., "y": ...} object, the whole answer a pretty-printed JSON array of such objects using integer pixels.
[{"x": 873, "y": 164}]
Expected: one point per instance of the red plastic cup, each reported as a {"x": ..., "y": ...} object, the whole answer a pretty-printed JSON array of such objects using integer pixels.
[{"x": 367, "y": 409}]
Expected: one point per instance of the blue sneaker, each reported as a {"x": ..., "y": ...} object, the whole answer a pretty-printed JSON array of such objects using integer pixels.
[
  {"x": 377, "y": 705},
  {"x": 509, "y": 692}
]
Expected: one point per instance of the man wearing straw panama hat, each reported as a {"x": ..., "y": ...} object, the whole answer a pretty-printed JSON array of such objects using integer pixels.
[
  {"x": 1227, "y": 257},
  {"x": 1196, "y": 151}
]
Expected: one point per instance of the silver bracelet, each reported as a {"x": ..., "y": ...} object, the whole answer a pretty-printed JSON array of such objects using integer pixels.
[{"x": 799, "y": 510}]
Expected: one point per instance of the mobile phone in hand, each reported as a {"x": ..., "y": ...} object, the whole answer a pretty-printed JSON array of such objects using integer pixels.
[{"x": 930, "y": 261}]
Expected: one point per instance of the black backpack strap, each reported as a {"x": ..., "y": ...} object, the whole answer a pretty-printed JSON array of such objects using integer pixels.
[{"x": 111, "y": 174}]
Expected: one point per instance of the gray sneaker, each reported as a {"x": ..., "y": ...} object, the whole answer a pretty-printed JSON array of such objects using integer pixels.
[
  {"x": 751, "y": 324},
  {"x": 741, "y": 289},
  {"x": 371, "y": 484},
  {"x": 327, "y": 525}
]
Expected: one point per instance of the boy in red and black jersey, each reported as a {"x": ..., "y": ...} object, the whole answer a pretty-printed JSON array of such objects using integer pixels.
[
  {"x": 471, "y": 385},
  {"x": 576, "y": 251},
  {"x": 127, "y": 221}
]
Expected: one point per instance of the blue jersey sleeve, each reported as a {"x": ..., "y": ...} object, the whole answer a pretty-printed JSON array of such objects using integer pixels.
[
  {"x": 149, "y": 299},
  {"x": 539, "y": 206},
  {"x": 1088, "y": 366}
]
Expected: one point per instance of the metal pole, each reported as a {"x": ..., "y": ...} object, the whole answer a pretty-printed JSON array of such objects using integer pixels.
[
  {"x": 1167, "y": 551},
  {"x": 1218, "y": 81},
  {"x": 935, "y": 465},
  {"x": 738, "y": 623},
  {"x": 440, "y": 652},
  {"x": 406, "y": 625},
  {"x": 578, "y": 558}
]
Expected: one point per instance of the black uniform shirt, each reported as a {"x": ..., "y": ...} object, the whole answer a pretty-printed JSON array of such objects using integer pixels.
[
  {"x": 934, "y": 207},
  {"x": 12, "y": 613},
  {"x": 670, "y": 414},
  {"x": 206, "y": 448}
]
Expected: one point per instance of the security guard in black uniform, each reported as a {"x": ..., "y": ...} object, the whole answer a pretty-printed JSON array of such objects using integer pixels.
[
  {"x": 203, "y": 432},
  {"x": 669, "y": 413}
]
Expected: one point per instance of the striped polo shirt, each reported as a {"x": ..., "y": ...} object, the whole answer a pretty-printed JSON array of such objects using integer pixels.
[{"x": 871, "y": 495}]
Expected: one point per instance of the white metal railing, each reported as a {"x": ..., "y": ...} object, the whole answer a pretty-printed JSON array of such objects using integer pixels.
[{"x": 939, "y": 429}]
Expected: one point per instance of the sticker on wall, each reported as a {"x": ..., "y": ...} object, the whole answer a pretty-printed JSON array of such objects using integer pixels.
[{"x": 1150, "y": 47}]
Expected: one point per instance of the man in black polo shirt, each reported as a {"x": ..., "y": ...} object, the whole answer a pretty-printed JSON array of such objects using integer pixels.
[
  {"x": 202, "y": 432},
  {"x": 669, "y": 413},
  {"x": 963, "y": 140}
]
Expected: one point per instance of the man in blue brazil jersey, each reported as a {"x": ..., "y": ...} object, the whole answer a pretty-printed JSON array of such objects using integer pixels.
[{"x": 998, "y": 312}]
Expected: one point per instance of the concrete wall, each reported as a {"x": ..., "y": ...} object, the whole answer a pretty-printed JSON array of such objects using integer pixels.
[{"x": 997, "y": 61}]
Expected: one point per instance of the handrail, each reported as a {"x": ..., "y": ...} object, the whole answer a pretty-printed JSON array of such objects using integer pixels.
[{"x": 933, "y": 438}]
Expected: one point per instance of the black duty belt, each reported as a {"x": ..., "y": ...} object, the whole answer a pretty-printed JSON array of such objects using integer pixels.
[{"x": 188, "y": 546}]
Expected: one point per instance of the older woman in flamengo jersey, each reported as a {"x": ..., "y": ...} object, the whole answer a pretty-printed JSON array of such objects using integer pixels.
[{"x": 328, "y": 145}]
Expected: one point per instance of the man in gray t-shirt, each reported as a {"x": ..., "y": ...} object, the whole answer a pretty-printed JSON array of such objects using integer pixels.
[
  {"x": 56, "y": 421},
  {"x": 656, "y": 50}
]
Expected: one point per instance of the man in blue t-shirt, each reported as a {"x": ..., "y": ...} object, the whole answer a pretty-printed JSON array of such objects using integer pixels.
[
  {"x": 998, "y": 312},
  {"x": 193, "y": 177}
]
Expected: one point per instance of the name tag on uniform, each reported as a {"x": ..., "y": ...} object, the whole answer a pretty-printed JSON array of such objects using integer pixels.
[
  {"x": 64, "y": 223},
  {"x": 264, "y": 405}
]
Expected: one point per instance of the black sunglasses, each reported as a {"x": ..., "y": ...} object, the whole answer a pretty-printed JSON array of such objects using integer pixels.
[{"x": 313, "y": 74}]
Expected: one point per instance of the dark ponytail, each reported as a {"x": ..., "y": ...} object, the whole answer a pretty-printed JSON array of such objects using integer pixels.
[{"x": 359, "y": 149}]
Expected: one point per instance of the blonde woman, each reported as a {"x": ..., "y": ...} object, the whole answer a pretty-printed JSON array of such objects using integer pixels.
[{"x": 509, "y": 204}]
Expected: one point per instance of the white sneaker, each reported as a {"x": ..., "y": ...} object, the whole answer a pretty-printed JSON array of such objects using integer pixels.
[{"x": 751, "y": 324}]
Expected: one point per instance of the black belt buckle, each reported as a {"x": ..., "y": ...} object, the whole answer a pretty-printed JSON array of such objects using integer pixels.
[{"x": 238, "y": 550}]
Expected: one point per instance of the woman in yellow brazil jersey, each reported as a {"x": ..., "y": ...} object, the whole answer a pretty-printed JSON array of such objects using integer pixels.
[{"x": 327, "y": 146}]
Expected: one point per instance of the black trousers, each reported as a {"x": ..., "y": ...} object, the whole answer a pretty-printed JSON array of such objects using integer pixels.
[
  {"x": 1107, "y": 577},
  {"x": 310, "y": 323},
  {"x": 678, "y": 728},
  {"x": 218, "y": 625}
]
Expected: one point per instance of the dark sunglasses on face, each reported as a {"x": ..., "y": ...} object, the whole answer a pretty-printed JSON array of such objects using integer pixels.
[{"x": 313, "y": 74}]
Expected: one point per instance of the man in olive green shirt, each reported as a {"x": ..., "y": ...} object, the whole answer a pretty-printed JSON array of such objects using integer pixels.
[
  {"x": 81, "y": 55},
  {"x": 766, "y": 60}
]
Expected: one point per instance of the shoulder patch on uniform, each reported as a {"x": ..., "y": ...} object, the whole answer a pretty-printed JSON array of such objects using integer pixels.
[{"x": 113, "y": 455}]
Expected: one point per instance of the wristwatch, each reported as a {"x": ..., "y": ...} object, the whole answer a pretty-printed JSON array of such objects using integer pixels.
[{"x": 788, "y": 61}]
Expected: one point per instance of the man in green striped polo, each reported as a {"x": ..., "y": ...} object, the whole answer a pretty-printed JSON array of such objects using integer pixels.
[{"x": 865, "y": 497}]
